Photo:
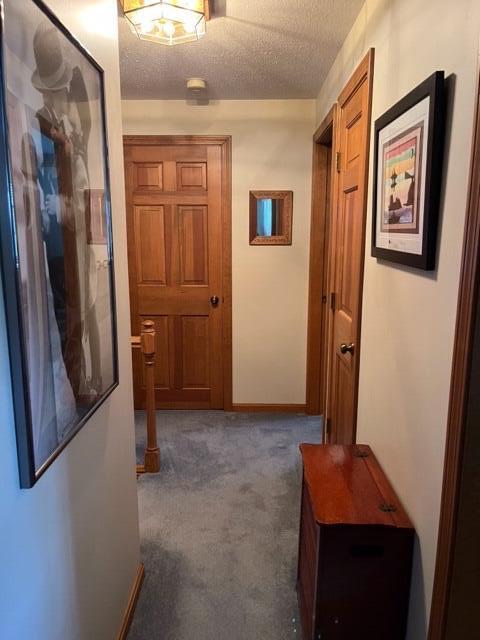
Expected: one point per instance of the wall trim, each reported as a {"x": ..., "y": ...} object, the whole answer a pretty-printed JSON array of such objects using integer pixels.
[
  {"x": 459, "y": 387},
  {"x": 155, "y": 140},
  {"x": 132, "y": 602},
  {"x": 269, "y": 408}
]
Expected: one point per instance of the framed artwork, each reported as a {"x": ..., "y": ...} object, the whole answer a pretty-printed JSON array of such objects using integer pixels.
[
  {"x": 408, "y": 159},
  {"x": 55, "y": 233},
  {"x": 271, "y": 217}
]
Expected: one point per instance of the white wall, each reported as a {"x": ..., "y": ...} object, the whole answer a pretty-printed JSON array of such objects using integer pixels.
[
  {"x": 272, "y": 149},
  {"x": 409, "y": 316},
  {"x": 69, "y": 547}
]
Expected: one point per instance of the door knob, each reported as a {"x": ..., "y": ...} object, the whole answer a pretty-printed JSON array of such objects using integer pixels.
[
  {"x": 214, "y": 300},
  {"x": 347, "y": 348}
]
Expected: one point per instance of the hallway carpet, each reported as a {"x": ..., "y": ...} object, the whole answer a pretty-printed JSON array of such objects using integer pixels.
[{"x": 219, "y": 526}]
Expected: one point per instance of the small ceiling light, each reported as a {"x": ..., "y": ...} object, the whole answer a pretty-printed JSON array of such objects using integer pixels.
[
  {"x": 167, "y": 21},
  {"x": 197, "y": 85}
]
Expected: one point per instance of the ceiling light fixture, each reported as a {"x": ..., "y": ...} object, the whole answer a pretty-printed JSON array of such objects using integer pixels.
[
  {"x": 167, "y": 21},
  {"x": 196, "y": 85}
]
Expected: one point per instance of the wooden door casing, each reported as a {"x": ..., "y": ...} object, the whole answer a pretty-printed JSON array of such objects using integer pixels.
[
  {"x": 319, "y": 312},
  {"x": 178, "y": 228},
  {"x": 462, "y": 419},
  {"x": 348, "y": 250}
]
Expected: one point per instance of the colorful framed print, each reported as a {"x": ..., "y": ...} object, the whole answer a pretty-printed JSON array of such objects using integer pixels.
[
  {"x": 55, "y": 233},
  {"x": 408, "y": 160}
]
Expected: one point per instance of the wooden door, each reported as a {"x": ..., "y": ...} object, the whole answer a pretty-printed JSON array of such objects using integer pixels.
[
  {"x": 176, "y": 226},
  {"x": 348, "y": 242}
]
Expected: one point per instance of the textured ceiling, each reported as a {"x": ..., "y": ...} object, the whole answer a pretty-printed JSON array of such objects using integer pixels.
[{"x": 253, "y": 49}]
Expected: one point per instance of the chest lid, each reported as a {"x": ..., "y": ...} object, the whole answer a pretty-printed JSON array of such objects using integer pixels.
[{"x": 347, "y": 486}]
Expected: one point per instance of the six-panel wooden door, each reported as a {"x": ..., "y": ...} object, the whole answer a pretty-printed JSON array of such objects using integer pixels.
[
  {"x": 174, "y": 226},
  {"x": 348, "y": 241}
]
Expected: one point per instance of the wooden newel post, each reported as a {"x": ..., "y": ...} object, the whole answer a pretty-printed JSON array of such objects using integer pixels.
[{"x": 152, "y": 452}]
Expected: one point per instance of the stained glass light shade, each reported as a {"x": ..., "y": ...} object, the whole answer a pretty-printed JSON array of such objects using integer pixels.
[{"x": 167, "y": 21}]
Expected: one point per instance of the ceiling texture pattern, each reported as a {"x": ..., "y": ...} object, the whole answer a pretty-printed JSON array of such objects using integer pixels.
[{"x": 254, "y": 49}]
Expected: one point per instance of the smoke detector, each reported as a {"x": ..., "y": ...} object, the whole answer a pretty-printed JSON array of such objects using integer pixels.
[{"x": 196, "y": 85}]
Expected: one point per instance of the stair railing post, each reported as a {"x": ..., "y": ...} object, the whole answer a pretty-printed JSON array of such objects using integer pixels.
[{"x": 152, "y": 451}]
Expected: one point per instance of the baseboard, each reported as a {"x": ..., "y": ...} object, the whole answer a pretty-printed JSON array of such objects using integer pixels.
[
  {"x": 132, "y": 603},
  {"x": 269, "y": 408}
]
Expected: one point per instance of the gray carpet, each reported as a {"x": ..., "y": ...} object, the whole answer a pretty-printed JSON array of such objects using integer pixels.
[{"x": 219, "y": 526}]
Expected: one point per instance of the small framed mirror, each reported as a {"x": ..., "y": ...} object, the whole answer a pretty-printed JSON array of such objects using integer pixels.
[{"x": 271, "y": 217}]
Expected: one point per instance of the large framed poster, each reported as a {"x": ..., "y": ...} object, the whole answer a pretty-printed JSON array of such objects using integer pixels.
[
  {"x": 407, "y": 176},
  {"x": 58, "y": 278}
]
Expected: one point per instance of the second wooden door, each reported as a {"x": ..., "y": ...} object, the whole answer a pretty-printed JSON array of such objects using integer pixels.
[
  {"x": 348, "y": 241},
  {"x": 174, "y": 192}
]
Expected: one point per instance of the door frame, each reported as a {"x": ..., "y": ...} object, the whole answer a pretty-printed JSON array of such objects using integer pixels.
[
  {"x": 459, "y": 391},
  {"x": 225, "y": 143},
  {"x": 323, "y": 190}
]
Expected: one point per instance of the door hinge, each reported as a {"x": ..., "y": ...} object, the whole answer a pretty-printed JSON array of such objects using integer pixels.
[
  {"x": 328, "y": 429},
  {"x": 338, "y": 161},
  {"x": 333, "y": 300}
]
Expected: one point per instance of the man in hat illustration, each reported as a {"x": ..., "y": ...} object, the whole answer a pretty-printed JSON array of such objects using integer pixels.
[
  {"x": 52, "y": 78},
  {"x": 51, "y": 397}
]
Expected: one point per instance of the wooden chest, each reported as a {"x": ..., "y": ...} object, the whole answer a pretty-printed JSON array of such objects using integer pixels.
[{"x": 355, "y": 548}]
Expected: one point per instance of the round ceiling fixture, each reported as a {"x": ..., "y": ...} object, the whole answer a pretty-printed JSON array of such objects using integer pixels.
[
  {"x": 167, "y": 21},
  {"x": 196, "y": 85}
]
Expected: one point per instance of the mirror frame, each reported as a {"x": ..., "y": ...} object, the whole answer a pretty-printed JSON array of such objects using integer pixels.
[{"x": 285, "y": 237}]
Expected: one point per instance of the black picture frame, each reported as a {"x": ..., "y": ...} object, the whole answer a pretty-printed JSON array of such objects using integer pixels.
[
  {"x": 414, "y": 246},
  {"x": 30, "y": 469}
]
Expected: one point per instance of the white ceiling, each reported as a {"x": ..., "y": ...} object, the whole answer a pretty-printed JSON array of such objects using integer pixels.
[{"x": 253, "y": 49}]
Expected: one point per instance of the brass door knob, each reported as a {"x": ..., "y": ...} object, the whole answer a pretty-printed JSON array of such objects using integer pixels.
[
  {"x": 214, "y": 300},
  {"x": 347, "y": 348}
]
